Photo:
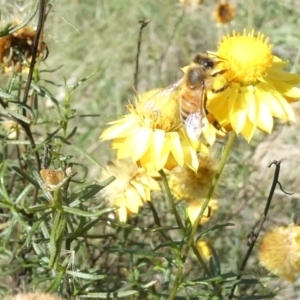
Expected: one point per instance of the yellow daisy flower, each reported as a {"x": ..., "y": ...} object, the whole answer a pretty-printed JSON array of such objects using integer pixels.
[
  {"x": 152, "y": 133},
  {"x": 279, "y": 251},
  {"x": 258, "y": 87},
  {"x": 188, "y": 185},
  {"x": 130, "y": 189},
  {"x": 193, "y": 187}
]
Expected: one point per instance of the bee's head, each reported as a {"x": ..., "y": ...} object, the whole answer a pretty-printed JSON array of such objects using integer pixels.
[{"x": 204, "y": 61}]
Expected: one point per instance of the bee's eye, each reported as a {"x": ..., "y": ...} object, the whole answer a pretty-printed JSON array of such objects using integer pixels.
[
  {"x": 208, "y": 64},
  {"x": 204, "y": 62}
]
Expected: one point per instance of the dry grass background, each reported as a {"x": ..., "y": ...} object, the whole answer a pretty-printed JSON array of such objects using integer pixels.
[{"x": 100, "y": 37}]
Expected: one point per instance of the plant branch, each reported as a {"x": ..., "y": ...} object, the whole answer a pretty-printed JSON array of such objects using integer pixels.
[
  {"x": 143, "y": 23},
  {"x": 252, "y": 237}
]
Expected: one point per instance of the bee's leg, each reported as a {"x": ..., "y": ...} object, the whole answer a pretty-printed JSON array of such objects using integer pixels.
[
  {"x": 220, "y": 72},
  {"x": 211, "y": 119},
  {"x": 223, "y": 88}
]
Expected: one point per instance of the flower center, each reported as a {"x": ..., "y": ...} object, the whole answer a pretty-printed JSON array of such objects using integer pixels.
[{"x": 247, "y": 56}]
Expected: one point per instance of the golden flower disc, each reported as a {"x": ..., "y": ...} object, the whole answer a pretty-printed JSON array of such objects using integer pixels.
[{"x": 248, "y": 56}]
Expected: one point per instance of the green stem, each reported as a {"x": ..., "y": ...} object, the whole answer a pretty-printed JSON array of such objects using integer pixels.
[
  {"x": 171, "y": 201},
  {"x": 190, "y": 242}
]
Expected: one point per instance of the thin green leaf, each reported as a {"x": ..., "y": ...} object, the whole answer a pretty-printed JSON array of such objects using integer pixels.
[
  {"x": 87, "y": 155},
  {"x": 92, "y": 190},
  {"x": 140, "y": 252},
  {"x": 18, "y": 116},
  {"x": 24, "y": 193},
  {"x": 258, "y": 297},
  {"x": 40, "y": 253},
  {"x": 113, "y": 295},
  {"x": 55, "y": 283},
  {"x": 73, "y": 132},
  {"x": 79, "y": 212},
  {"x": 7, "y": 96},
  {"x": 218, "y": 226},
  {"x": 86, "y": 275},
  {"x": 26, "y": 176},
  {"x": 36, "y": 226}
]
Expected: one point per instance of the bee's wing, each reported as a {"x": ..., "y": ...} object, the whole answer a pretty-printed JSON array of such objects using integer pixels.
[
  {"x": 193, "y": 122},
  {"x": 158, "y": 100}
]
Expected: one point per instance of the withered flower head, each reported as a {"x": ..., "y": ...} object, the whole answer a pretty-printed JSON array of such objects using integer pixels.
[
  {"x": 16, "y": 49},
  {"x": 224, "y": 13}
]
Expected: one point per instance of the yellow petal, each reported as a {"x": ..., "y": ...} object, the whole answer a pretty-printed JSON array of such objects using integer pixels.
[
  {"x": 271, "y": 100},
  {"x": 286, "y": 89},
  {"x": 134, "y": 200},
  {"x": 122, "y": 213},
  {"x": 163, "y": 157},
  {"x": 265, "y": 119},
  {"x": 125, "y": 127},
  {"x": 278, "y": 63},
  {"x": 218, "y": 105},
  {"x": 175, "y": 147},
  {"x": 251, "y": 105},
  {"x": 238, "y": 113},
  {"x": 190, "y": 156},
  {"x": 140, "y": 140},
  {"x": 157, "y": 147},
  {"x": 117, "y": 143},
  {"x": 275, "y": 74},
  {"x": 238, "y": 120},
  {"x": 288, "y": 111},
  {"x": 140, "y": 189},
  {"x": 248, "y": 130},
  {"x": 148, "y": 182}
]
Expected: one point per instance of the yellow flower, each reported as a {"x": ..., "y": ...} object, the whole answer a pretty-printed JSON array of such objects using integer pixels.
[
  {"x": 258, "y": 87},
  {"x": 130, "y": 189},
  {"x": 193, "y": 187},
  {"x": 188, "y": 185},
  {"x": 279, "y": 251},
  {"x": 194, "y": 208},
  {"x": 152, "y": 133},
  {"x": 204, "y": 248},
  {"x": 224, "y": 13}
]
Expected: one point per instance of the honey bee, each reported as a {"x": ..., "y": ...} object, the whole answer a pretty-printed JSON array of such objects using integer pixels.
[
  {"x": 197, "y": 80},
  {"x": 191, "y": 93}
]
